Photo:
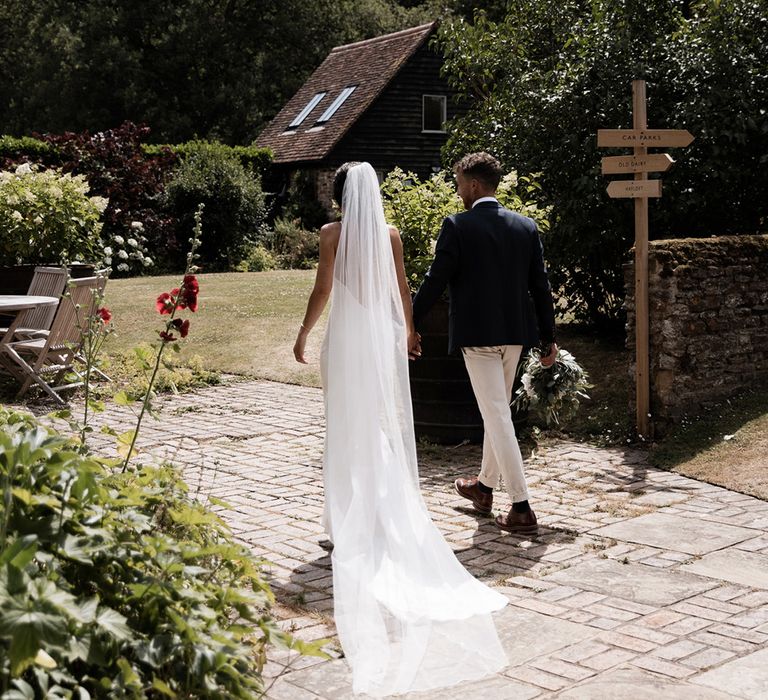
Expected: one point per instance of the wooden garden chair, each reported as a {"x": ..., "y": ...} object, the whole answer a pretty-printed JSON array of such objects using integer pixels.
[
  {"x": 46, "y": 282},
  {"x": 34, "y": 360}
]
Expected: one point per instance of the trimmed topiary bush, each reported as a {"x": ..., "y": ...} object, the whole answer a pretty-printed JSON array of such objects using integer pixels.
[{"x": 235, "y": 209}]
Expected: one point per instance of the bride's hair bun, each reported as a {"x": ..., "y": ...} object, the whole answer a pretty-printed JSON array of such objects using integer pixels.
[{"x": 340, "y": 178}]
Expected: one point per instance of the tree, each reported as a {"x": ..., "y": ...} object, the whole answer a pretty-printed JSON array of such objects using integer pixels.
[
  {"x": 546, "y": 77},
  {"x": 208, "y": 68}
]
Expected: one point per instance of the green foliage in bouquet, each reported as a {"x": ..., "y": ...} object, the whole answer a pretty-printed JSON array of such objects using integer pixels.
[
  {"x": 48, "y": 218},
  {"x": 120, "y": 585},
  {"x": 552, "y": 393}
]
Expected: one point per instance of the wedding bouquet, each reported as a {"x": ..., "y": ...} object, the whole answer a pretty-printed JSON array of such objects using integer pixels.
[{"x": 552, "y": 392}]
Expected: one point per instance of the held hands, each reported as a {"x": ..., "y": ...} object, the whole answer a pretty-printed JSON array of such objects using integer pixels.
[
  {"x": 549, "y": 359},
  {"x": 414, "y": 345},
  {"x": 300, "y": 344}
]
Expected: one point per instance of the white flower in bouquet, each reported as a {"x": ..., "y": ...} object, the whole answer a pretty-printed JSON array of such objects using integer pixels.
[{"x": 552, "y": 392}]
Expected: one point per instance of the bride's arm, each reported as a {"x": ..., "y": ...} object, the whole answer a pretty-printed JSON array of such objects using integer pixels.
[
  {"x": 322, "y": 289},
  {"x": 405, "y": 292}
]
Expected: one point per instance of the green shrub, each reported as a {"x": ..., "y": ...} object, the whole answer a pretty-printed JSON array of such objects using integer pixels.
[
  {"x": 258, "y": 259},
  {"x": 120, "y": 585},
  {"x": 12, "y": 148},
  {"x": 253, "y": 158},
  {"x": 294, "y": 246},
  {"x": 234, "y": 202},
  {"x": 417, "y": 208},
  {"x": 48, "y": 218}
]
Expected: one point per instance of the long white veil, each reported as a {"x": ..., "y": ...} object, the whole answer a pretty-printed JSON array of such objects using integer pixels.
[{"x": 409, "y": 616}]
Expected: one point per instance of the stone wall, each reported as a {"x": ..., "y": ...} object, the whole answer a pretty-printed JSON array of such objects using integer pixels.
[{"x": 708, "y": 302}]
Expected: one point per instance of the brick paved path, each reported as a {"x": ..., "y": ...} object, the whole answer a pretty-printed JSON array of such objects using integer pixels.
[{"x": 640, "y": 582}]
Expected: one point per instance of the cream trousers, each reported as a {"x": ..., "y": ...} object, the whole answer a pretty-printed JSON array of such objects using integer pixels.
[{"x": 492, "y": 372}]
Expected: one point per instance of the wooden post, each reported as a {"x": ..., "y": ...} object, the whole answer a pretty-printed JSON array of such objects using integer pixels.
[
  {"x": 642, "y": 379},
  {"x": 640, "y": 137}
]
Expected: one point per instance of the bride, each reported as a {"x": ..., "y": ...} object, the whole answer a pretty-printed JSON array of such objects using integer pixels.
[{"x": 408, "y": 615}]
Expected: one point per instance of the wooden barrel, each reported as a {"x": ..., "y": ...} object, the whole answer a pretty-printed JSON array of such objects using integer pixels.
[{"x": 444, "y": 406}]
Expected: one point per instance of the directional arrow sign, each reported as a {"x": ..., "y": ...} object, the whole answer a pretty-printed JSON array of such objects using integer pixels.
[
  {"x": 647, "y": 138},
  {"x": 657, "y": 163},
  {"x": 634, "y": 188}
]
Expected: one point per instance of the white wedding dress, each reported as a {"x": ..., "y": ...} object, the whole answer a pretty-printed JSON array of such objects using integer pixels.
[{"x": 408, "y": 614}]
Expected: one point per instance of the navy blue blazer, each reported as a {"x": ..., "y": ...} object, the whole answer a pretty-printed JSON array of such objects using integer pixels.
[{"x": 492, "y": 261}]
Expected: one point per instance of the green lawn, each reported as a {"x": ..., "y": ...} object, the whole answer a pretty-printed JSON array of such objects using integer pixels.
[{"x": 246, "y": 323}]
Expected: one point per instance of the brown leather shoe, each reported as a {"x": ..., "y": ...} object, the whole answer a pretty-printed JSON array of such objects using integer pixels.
[
  {"x": 519, "y": 523},
  {"x": 469, "y": 489}
]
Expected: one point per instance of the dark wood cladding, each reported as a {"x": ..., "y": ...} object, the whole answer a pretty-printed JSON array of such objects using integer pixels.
[{"x": 390, "y": 133}]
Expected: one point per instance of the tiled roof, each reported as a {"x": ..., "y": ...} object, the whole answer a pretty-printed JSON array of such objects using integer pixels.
[{"x": 370, "y": 65}]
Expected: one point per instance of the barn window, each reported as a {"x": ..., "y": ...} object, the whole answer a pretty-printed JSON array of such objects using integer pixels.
[
  {"x": 334, "y": 106},
  {"x": 301, "y": 116},
  {"x": 434, "y": 113}
]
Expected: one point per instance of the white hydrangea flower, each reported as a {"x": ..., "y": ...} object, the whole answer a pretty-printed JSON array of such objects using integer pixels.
[
  {"x": 119, "y": 240},
  {"x": 16, "y": 215},
  {"x": 148, "y": 261},
  {"x": 132, "y": 242},
  {"x": 108, "y": 260},
  {"x": 23, "y": 169},
  {"x": 107, "y": 250},
  {"x": 56, "y": 192},
  {"x": 100, "y": 203},
  {"x": 38, "y": 219},
  {"x": 30, "y": 196},
  {"x": 122, "y": 267},
  {"x": 137, "y": 226},
  {"x": 13, "y": 200},
  {"x": 122, "y": 255}
]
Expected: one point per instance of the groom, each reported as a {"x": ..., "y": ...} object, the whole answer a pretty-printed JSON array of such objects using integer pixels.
[{"x": 491, "y": 260}]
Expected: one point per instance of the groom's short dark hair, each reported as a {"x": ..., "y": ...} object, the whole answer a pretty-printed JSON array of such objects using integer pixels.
[
  {"x": 481, "y": 166},
  {"x": 340, "y": 178}
]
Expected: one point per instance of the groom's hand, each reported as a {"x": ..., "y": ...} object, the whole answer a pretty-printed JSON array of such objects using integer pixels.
[{"x": 549, "y": 359}]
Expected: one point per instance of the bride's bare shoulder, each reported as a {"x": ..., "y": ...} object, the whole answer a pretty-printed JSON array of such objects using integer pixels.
[
  {"x": 393, "y": 232},
  {"x": 331, "y": 230}
]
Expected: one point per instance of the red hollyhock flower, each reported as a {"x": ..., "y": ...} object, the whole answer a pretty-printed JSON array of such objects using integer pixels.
[
  {"x": 190, "y": 290},
  {"x": 105, "y": 314},
  {"x": 191, "y": 284},
  {"x": 181, "y": 326},
  {"x": 166, "y": 337},
  {"x": 164, "y": 303}
]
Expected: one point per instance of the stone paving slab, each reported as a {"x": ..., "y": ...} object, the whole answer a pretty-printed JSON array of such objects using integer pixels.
[
  {"x": 634, "y": 582},
  {"x": 733, "y": 565},
  {"x": 679, "y": 534},
  {"x": 640, "y": 583},
  {"x": 746, "y": 677}
]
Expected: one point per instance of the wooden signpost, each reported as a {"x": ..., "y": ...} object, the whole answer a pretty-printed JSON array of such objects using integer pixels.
[{"x": 640, "y": 138}]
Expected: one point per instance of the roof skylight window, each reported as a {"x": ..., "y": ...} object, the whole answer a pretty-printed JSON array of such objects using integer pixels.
[
  {"x": 301, "y": 116},
  {"x": 334, "y": 106}
]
